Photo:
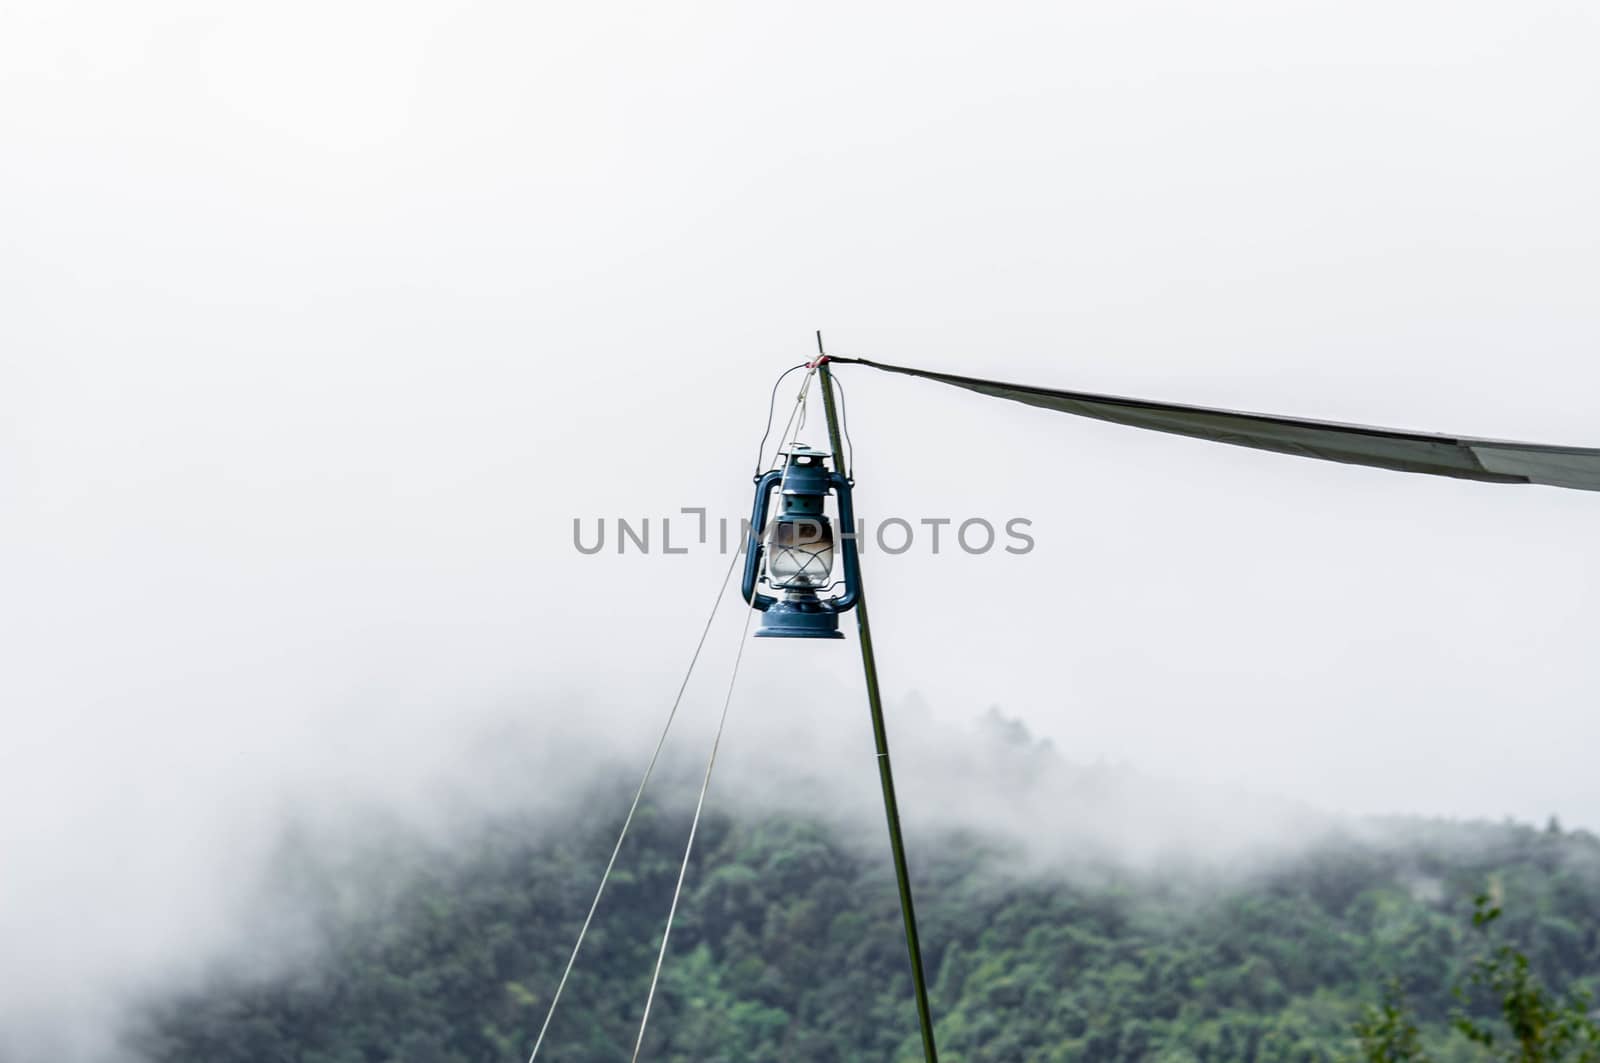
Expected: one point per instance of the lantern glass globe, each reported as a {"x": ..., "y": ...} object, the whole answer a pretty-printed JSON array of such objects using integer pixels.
[{"x": 800, "y": 554}]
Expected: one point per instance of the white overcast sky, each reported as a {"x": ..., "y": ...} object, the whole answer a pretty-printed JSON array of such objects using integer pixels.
[{"x": 320, "y": 322}]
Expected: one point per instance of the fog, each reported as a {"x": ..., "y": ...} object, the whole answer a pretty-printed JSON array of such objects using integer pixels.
[{"x": 321, "y": 326}]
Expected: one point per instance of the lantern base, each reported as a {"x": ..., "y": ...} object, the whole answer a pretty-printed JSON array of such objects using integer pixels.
[{"x": 798, "y": 619}]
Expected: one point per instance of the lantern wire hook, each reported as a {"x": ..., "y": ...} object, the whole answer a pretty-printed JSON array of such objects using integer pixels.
[
  {"x": 772, "y": 407},
  {"x": 846, "y": 462},
  {"x": 847, "y": 465}
]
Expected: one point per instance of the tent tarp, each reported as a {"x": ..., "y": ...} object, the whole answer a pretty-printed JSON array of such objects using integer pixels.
[{"x": 1384, "y": 448}]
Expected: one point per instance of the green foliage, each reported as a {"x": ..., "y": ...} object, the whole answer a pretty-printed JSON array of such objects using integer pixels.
[
  {"x": 789, "y": 948},
  {"x": 1537, "y": 1026},
  {"x": 1386, "y": 1031},
  {"x": 1527, "y": 1025}
]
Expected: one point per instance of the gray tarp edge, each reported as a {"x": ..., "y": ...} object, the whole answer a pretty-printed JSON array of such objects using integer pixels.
[{"x": 1491, "y": 460}]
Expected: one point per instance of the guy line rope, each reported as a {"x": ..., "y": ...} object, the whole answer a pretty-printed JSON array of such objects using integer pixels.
[{"x": 797, "y": 411}]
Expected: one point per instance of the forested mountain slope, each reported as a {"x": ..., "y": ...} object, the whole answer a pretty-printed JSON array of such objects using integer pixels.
[{"x": 789, "y": 946}]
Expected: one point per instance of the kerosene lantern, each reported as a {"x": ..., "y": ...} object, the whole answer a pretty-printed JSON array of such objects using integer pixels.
[{"x": 796, "y": 556}]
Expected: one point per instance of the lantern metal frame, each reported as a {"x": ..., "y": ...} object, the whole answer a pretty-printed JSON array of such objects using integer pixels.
[{"x": 804, "y": 483}]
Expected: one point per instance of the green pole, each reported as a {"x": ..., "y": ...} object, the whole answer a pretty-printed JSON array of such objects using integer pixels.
[{"x": 880, "y": 734}]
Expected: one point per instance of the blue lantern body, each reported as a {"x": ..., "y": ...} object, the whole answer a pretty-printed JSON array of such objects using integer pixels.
[{"x": 797, "y": 553}]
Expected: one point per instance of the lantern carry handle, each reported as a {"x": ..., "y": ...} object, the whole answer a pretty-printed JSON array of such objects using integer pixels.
[{"x": 753, "y": 546}]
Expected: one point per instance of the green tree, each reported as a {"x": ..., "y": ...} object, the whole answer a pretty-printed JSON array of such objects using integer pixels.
[
  {"x": 1517, "y": 1019},
  {"x": 1386, "y": 1031},
  {"x": 1542, "y": 1027}
]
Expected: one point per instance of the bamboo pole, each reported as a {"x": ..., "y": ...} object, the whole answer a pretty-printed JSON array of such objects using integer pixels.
[{"x": 880, "y": 734}]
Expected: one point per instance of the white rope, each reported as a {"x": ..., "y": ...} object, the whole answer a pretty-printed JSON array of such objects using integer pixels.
[
  {"x": 716, "y": 743},
  {"x": 694, "y": 826},
  {"x": 628, "y": 820},
  {"x": 650, "y": 768}
]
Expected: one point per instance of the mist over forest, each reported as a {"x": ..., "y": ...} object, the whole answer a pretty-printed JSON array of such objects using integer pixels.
[{"x": 1070, "y": 911}]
